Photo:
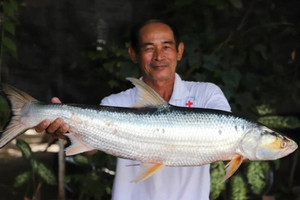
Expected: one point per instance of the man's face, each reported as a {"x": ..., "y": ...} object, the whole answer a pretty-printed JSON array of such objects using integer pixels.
[{"x": 158, "y": 55}]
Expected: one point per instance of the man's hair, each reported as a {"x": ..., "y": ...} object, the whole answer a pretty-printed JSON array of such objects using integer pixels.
[{"x": 134, "y": 35}]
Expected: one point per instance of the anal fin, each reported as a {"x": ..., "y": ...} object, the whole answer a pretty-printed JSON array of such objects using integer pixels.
[
  {"x": 147, "y": 171},
  {"x": 232, "y": 166},
  {"x": 77, "y": 145}
]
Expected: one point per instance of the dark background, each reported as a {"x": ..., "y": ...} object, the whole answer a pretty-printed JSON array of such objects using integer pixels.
[{"x": 77, "y": 50}]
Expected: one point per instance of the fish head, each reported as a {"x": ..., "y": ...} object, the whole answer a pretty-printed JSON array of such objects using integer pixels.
[{"x": 262, "y": 143}]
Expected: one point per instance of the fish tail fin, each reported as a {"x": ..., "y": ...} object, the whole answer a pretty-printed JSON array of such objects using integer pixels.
[{"x": 17, "y": 99}]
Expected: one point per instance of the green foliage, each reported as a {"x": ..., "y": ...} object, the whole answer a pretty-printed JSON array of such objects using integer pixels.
[
  {"x": 238, "y": 188},
  {"x": 217, "y": 173},
  {"x": 25, "y": 149},
  {"x": 4, "y": 112},
  {"x": 280, "y": 122},
  {"x": 257, "y": 175},
  {"x": 7, "y": 28},
  {"x": 94, "y": 181},
  {"x": 7, "y": 22},
  {"x": 22, "y": 179},
  {"x": 236, "y": 45},
  {"x": 39, "y": 173}
]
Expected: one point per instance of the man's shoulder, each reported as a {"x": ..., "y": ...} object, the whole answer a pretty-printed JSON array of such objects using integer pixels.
[
  {"x": 123, "y": 99},
  {"x": 195, "y": 87}
]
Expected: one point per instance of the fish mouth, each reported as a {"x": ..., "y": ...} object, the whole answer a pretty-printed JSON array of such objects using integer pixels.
[{"x": 292, "y": 147}]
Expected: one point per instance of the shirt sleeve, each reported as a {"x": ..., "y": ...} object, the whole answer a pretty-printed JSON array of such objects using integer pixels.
[
  {"x": 106, "y": 101},
  {"x": 123, "y": 99},
  {"x": 215, "y": 98}
]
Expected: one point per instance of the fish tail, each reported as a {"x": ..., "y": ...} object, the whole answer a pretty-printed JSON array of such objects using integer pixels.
[{"x": 17, "y": 99}]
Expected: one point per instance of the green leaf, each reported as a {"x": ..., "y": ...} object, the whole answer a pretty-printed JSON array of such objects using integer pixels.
[
  {"x": 217, "y": 173},
  {"x": 9, "y": 27},
  {"x": 262, "y": 49},
  {"x": 256, "y": 175},
  {"x": 237, "y": 3},
  {"x": 231, "y": 78},
  {"x": 34, "y": 165},
  {"x": 81, "y": 159},
  {"x": 9, "y": 8},
  {"x": 4, "y": 111},
  {"x": 265, "y": 109},
  {"x": 46, "y": 174},
  {"x": 113, "y": 84},
  {"x": 13, "y": 4},
  {"x": 108, "y": 190},
  {"x": 280, "y": 122},
  {"x": 25, "y": 148},
  {"x": 238, "y": 188},
  {"x": 10, "y": 45},
  {"x": 22, "y": 178}
]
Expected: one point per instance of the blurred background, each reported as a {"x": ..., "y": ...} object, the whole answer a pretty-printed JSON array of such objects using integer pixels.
[{"x": 77, "y": 50}]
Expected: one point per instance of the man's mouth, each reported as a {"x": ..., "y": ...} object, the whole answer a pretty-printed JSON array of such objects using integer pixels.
[{"x": 159, "y": 65}]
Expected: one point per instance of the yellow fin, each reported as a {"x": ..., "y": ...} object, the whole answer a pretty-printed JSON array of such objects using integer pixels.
[
  {"x": 232, "y": 166},
  {"x": 148, "y": 97},
  {"x": 147, "y": 171}
]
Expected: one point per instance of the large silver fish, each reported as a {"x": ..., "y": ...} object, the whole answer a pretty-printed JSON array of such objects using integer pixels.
[{"x": 157, "y": 135}]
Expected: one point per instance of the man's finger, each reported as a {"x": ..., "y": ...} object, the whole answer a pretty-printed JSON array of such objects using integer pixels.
[
  {"x": 55, "y": 100},
  {"x": 64, "y": 128},
  {"x": 54, "y": 126},
  {"x": 42, "y": 126}
]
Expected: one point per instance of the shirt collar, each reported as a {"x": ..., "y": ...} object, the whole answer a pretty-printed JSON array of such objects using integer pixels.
[{"x": 180, "y": 91}]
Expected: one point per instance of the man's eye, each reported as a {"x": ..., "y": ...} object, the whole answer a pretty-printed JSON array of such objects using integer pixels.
[
  {"x": 167, "y": 47},
  {"x": 149, "y": 49}
]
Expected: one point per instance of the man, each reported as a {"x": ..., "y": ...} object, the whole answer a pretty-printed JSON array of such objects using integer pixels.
[{"x": 156, "y": 48}]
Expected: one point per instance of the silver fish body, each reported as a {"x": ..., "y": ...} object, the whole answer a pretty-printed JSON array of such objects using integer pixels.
[
  {"x": 165, "y": 134},
  {"x": 162, "y": 134}
]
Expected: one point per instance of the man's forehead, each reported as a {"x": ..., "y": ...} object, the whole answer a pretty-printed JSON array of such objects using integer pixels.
[{"x": 154, "y": 30}]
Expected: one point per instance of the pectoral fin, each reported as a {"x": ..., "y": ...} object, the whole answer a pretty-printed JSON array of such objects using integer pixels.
[
  {"x": 232, "y": 166},
  {"x": 147, "y": 171}
]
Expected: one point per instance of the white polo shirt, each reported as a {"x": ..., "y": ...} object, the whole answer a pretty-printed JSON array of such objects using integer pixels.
[{"x": 168, "y": 183}]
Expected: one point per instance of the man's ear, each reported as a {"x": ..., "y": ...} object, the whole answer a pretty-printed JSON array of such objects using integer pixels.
[
  {"x": 180, "y": 51},
  {"x": 133, "y": 55}
]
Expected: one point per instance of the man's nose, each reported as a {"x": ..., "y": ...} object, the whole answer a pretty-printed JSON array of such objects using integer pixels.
[{"x": 158, "y": 54}]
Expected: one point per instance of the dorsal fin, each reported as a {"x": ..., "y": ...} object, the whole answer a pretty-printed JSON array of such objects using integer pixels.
[{"x": 148, "y": 97}]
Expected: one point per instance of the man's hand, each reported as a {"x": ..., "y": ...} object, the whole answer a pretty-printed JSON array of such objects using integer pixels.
[{"x": 57, "y": 128}]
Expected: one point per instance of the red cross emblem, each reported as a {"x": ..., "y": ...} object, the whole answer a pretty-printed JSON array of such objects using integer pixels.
[{"x": 189, "y": 103}]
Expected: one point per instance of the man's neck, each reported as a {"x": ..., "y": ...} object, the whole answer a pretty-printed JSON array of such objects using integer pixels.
[{"x": 164, "y": 88}]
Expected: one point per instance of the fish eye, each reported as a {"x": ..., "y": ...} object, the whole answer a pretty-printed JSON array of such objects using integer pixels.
[{"x": 283, "y": 144}]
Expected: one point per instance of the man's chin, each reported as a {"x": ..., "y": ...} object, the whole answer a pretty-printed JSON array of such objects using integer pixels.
[{"x": 162, "y": 77}]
